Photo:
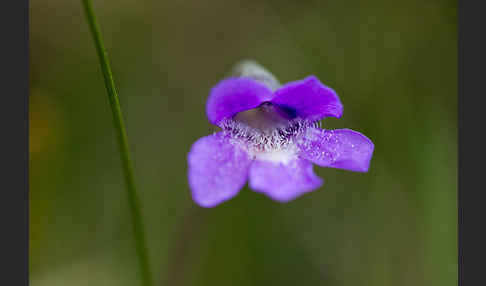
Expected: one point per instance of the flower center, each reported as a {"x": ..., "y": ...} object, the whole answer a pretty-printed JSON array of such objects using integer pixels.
[
  {"x": 265, "y": 118},
  {"x": 267, "y": 132}
]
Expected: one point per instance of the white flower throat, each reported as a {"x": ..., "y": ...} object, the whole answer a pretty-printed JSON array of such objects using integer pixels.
[{"x": 267, "y": 133}]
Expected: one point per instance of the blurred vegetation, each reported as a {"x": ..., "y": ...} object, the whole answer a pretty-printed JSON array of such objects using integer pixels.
[{"x": 393, "y": 63}]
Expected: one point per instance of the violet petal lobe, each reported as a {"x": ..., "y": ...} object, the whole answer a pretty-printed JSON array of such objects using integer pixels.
[
  {"x": 309, "y": 99},
  {"x": 283, "y": 182},
  {"x": 217, "y": 169},
  {"x": 339, "y": 148},
  {"x": 234, "y": 95}
]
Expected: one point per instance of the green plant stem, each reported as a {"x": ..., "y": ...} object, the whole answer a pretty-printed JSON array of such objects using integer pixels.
[{"x": 133, "y": 199}]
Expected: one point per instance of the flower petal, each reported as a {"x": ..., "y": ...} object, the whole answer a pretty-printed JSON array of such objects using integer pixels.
[
  {"x": 234, "y": 95},
  {"x": 283, "y": 181},
  {"x": 217, "y": 169},
  {"x": 309, "y": 99},
  {"x": 340, "y": 148}
]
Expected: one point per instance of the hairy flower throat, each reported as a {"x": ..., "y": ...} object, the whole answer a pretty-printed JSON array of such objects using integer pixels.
[{"x": 267, "y": 131}]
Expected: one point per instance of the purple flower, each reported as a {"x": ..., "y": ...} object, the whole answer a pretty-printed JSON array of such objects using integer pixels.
[{"x": 271, "y": 137}]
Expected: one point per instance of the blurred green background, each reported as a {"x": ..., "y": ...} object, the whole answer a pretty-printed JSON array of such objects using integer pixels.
[{"x": 393, "y": 63}]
